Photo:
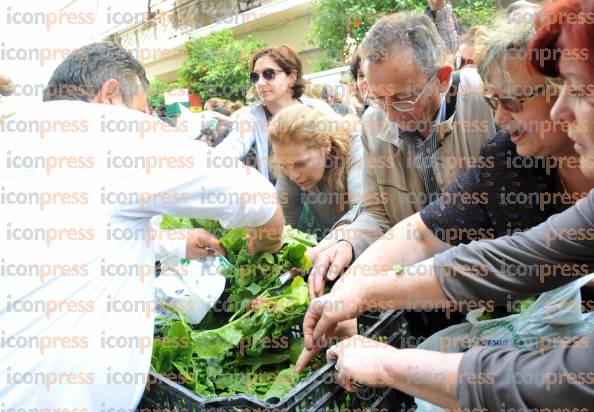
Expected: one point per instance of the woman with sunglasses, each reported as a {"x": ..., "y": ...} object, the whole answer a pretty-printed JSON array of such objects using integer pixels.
[
  {"x": 319, "y": 164},
  {"x": 277, "y": 74},
  {"x": 560, "y": 376}
]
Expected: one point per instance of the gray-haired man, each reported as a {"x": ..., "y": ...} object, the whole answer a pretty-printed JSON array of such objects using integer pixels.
[{"x": 424, "y": 128}]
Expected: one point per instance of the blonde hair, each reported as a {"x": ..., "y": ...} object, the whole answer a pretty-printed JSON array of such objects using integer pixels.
[
  {"x": 301, "y": 124},
  {"x": 217, "y": 102},
  {"x": 314, "y": 91}
]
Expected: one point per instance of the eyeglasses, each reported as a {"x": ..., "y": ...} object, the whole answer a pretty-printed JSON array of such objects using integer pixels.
[
  {"x": 268, "y": 74},
  {"x": 402, "y": 105},
  {"x": 513, "y": 103}
]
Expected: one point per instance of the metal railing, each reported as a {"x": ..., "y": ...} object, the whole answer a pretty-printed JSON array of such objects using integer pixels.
[{"x": 182, "y": 19}]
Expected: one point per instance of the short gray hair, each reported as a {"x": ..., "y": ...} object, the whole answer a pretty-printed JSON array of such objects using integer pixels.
[
  {"x": 414, "y": 30},
  {"x": 514, "y": 37}
]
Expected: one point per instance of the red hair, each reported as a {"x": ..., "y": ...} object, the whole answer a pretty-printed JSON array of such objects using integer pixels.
[{"x": 565, "y": 24}]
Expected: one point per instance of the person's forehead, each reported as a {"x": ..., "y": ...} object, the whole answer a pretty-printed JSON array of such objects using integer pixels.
[
  {"x": 291, "y": 150},
  {"x": 507, "y": 73},
  {"x": 395, "y": 75},
  {"x": 266, "y": 62}
]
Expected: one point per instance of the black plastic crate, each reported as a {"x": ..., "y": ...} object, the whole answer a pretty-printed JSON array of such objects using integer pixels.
[{"x": 317, "y": 392}]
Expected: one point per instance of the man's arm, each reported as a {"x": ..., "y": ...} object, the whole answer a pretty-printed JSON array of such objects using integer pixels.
[
  {"x": 269, "y": 236},
  {"x": 199, "y": 187},
  {"x": 446, "y": 26},
  {"x": 545, "y": 257},
  {"x": 240, "y": 139},
  {"x": 411, "y": 289},
  {"x": 410, "y": 241},
  {"x": 373, "y": 221},
  {"x": 425, "y": 374},
  {"x": 369, "y": 226},
  {"x": 481, "y": 379}
]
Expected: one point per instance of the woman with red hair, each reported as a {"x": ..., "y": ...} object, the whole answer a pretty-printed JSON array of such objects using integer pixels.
[
  {"x": 489, "y": 378},
  {"x": 566, "y": 32}
]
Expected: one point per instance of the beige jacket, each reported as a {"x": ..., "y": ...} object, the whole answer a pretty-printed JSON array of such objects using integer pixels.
[{"x": 392, "y": 188}]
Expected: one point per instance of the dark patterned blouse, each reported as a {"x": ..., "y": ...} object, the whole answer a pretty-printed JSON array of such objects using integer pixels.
[{"x": 500, "y": 194}]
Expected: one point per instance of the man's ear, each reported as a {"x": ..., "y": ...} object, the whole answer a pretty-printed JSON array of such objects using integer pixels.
[
  {"x": 109, "y": 93},
  {"x": 444, "y": 76}
]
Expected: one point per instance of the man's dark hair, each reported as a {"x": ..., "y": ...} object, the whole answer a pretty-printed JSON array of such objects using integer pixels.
[{"x": 82, "y": 74}]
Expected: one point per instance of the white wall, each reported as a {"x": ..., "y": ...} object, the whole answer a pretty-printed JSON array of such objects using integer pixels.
[{"x": 36, "y": 35}]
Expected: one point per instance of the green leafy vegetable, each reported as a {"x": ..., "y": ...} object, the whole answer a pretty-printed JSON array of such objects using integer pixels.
[
  {"x": 230, "y": 352},
  {"x": 295, "y": 349},
  {"x": 284, "y": 382},
  {"x": 502, "y": 311},
  {"x": 291, "y": 235}
]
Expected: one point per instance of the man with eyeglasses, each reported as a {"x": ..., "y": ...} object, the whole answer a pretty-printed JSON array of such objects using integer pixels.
[{"x": 424, "y": 128}]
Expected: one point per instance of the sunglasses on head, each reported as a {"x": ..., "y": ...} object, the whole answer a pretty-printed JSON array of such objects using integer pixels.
[{"x": 268, "y": 74}]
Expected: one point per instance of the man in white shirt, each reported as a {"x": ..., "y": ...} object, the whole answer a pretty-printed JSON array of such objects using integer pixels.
[{"x": 80, "y": 178}]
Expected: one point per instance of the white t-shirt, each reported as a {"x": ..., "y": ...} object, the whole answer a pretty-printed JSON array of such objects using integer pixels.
[{"x": 79, "y": 183}]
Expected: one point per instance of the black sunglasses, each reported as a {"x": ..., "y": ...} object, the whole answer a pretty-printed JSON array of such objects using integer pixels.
[{"x": 268, "y": 74}]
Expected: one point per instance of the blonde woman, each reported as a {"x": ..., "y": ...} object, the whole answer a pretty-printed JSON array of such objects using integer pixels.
[{"x": 318, "y": 162}]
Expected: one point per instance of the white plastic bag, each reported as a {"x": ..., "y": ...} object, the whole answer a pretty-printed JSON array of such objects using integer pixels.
[
  {"x": 555, "y": 315},
  {"x": 193, "y": 288}
]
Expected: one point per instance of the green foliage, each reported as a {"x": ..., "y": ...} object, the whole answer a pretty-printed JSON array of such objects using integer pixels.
[
  {"x": 251, "y": 274},
  {"x": 230, "y": 353},
  {"x": 217, "y": 65},
  {"x": 225, "y": 361},
  {"x": 474, "y": 12},
  {"x": 155, "y": 93},
  {"x": 214, "y": 227},
  {"x": 284, "y": 382},
  {"x": 338, "y": 25},
  {"x": 324, "y": 63},
  {"x": 156, "y": 89},
  {"x": 335, "y": 20}
]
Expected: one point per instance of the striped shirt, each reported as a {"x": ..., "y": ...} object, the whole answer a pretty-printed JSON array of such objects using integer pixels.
[{"x": 423, "y": 150}]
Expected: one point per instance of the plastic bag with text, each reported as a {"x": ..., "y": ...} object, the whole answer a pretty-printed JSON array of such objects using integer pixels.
[{"x": 550, "y": 321}]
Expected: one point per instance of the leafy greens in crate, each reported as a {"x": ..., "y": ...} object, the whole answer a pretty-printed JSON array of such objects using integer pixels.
[{"x": 238, "y": 357}]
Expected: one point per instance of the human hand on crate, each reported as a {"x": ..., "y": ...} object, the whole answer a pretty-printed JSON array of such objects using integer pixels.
[
  {"x": 361, "y": 361},
  {"x": 332, "y": 315},
  {"x": 344, "y": 330}
]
